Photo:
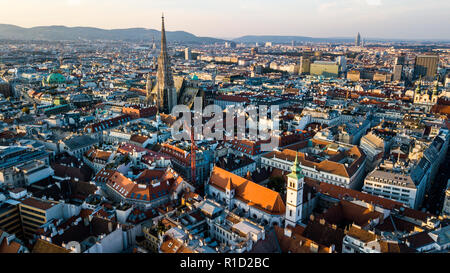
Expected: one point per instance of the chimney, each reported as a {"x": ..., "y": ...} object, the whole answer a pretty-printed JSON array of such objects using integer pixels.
[
  {"x": 314, "y": 247},
  {"x": 10, "y": 238},
  {"x": 332, "y": 248},
  {"x": 110, "y": 227}
]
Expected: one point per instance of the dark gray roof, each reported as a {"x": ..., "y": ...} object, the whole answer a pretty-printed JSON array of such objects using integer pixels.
[{"x": 78, "y": 142}]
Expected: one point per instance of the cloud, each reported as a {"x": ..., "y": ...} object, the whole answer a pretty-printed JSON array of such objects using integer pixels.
[
  {"x": 73, "y": 3},
  {"x": 374, "y": 2}
]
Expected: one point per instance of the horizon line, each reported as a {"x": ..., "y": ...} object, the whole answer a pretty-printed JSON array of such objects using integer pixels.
[{"x": 237, "y": 37}]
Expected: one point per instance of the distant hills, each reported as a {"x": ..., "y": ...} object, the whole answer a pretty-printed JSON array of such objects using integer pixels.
[
  {"x": 288, "y": 39},
  {"x": 59, "y": 33},
  {"x": 55, "y": 33}
]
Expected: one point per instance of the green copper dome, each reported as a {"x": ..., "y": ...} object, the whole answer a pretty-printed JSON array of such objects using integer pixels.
[{"x": 55, "y": 78}]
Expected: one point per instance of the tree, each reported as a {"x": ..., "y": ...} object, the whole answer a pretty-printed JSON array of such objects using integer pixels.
[
  {"x": 276, "y": 183},
  {"x": 125, "y": 160}
]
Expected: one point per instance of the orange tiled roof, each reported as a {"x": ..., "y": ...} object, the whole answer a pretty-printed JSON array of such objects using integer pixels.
[
  {"x": 298, "y": 243},
  {"x": 132, "y": 190},
  {"x": 93, "y": 154},
  {"x": 245, "y": 190},
  {"x": 346, "y": 211},
  {"x": 138, "y": 138},
  {"x": 361, "y": 234},
  {"x": 12, "y": 247},
  {"x": 171, "y": 245},
  {"x": 43, "y": 246}
]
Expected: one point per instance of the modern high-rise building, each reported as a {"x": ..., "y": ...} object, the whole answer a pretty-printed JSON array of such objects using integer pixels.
[
  {"x": 230, "y": 45},
  {"x": 358, "y": 40},
  {"x": 166, "y": 94},
  {"x": 426, "y": 66},
  {"x": 305, "y": 65},
  {"x": 400, "y": 59},
  {"x": 397, "y": 72},
  {"x": 342, "y": 62},
  {"x": 187, "y": 54}
]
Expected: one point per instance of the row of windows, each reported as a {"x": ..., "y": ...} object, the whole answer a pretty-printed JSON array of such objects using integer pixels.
[
  {"x": 29, "y": 227},
  {"x": 8, "y": 225},
  {"x": 32, "y": 218},
  {"x": 22, "y": 208},
  {"x": 12, "y": 213},
  {"x": 290, "y": 213},
  {"x": 386, "y": 187},
  {"x": 221, "y": 234}
]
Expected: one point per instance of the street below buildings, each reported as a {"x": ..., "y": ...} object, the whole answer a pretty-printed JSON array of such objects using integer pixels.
[{"x": 434, "y": 199}]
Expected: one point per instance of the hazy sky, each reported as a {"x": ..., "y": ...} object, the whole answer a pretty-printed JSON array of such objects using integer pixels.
[{"x": 422, "y": 19}]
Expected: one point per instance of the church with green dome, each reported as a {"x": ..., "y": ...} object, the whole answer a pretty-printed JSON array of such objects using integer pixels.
[
  {"x": 54, "y": 80},
  {"x": 426, "y": 95}
]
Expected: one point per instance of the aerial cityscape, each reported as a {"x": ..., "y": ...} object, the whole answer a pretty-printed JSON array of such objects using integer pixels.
[{"x": 160, "y": 141}]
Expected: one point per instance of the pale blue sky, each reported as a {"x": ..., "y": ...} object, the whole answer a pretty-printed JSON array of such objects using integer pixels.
[{"x": 232, "y": 18}]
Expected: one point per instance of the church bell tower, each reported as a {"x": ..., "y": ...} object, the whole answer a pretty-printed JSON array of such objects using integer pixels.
[{"x": 294, "y": 198}]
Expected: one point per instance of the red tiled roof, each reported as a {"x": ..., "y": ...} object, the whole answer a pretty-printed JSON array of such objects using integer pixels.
[
  {"x": 144, "y": 192},
  {"x": 106, "y": 124},
  {"x": 233, "y": 98}
]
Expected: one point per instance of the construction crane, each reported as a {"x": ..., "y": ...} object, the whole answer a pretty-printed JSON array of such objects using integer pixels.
[{"x": 193, "y": 152}]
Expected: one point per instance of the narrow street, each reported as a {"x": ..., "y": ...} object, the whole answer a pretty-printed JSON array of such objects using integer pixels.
[{"x": 434, "y": 199}]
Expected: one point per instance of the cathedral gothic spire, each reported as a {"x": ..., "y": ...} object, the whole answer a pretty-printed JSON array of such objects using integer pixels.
[{"x": 166, "y": 95}]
